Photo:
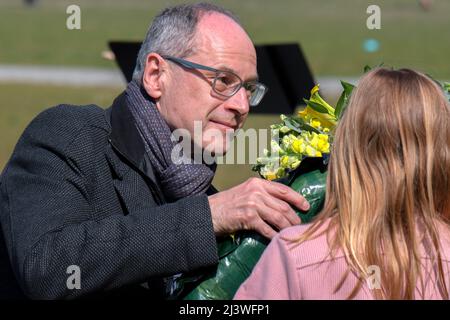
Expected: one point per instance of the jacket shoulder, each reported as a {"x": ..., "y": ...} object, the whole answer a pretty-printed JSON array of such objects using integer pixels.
[{"x": 61, "y": 124}]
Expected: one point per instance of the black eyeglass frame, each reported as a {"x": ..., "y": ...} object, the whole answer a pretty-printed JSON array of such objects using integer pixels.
[{"x": 255, "y": 96}]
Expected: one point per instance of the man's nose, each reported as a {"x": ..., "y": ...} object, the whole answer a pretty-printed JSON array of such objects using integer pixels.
[{"x": 239, "y": 102}]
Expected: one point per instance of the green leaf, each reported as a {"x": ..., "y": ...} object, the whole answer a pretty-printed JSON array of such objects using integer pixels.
[
  {"x": 340, "y": 104},
  {"x": 307, "y": 127},
  {"x": 343, "y": 99},
  {"x": 304, "y": 126},
  {"x": 446, "y": 86},
  {"x": 316, "y": 106},
  {"x": 257, "y": 167},
  {"x": 348, "y": 87},
  {"x": 367, "y": 68},
  {"x": 293, "y": 125}
]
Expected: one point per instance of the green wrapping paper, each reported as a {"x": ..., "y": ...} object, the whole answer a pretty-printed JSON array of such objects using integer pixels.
[{"x": 239, "y": 254}]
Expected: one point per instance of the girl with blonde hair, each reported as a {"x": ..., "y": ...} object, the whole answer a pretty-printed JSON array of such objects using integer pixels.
[{"x": 384, "y": 231}]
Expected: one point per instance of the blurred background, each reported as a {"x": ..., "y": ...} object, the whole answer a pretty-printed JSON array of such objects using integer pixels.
[{"x": 42, "y": 63}]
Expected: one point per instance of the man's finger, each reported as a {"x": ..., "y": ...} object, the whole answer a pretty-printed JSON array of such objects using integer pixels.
[
  {"x": 287, "y": 194},
  {"x": 264, "y": 229},
  {"x": 284, "y": 208},
  {"x": 273, "y": 217}
]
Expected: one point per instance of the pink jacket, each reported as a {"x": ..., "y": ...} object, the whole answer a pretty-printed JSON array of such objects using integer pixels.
[{"x": 283, "y": 273}]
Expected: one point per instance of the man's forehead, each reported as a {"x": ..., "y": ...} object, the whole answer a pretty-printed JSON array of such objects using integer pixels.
[
  {"x": 218, "y": 32},
  {"x": 221, "y": 43},
  {"x": 215, "y": 20}
]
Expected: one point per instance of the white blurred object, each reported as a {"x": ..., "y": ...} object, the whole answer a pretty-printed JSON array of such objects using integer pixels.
[
  {"x": 72, "y": 76},
  {"x": 108, "y": 55},
  {"x": 426, "y": 4}
]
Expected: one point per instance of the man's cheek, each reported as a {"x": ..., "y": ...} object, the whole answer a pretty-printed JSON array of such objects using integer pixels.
[
  {"x": 241, "y": 121},
  {"x": 198, "y": 129}
]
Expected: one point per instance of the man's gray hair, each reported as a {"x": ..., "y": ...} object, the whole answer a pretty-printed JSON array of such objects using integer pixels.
[{"x": 172, "y": 32}]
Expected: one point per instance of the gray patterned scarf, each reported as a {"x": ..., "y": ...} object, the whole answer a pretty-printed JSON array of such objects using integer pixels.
[{"x": 177, "y": 180}]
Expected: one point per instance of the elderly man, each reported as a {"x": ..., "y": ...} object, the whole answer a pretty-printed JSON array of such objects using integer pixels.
[{"x": 94, "y": 194}]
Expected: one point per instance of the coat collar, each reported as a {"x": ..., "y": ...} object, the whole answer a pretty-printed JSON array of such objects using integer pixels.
[
  {"x": 126, "y": 140},
  {"x": 124, "y": 134}
]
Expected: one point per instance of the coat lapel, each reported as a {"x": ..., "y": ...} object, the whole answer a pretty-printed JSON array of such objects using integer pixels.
[
  {"x": 124, "y": 135},
  {"x": 127, "y": 142}
]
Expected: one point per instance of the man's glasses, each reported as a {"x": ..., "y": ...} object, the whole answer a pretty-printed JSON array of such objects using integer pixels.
[{"x": 227, "y": 83}]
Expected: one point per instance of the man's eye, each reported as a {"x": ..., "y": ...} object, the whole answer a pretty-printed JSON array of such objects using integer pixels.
[
  {"x": 250, "y": 87},
  {"x": 225, "y": 80}
]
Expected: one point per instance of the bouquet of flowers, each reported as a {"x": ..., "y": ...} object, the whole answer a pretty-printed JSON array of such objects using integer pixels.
[{"x": 307, "y": 134}]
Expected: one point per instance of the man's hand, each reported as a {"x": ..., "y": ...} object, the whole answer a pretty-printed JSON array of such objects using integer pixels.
[{"x": 258, "y": 205}]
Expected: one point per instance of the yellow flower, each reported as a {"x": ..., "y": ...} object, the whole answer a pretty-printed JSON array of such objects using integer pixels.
[
  {"x": 322, "y": 144},
  {"x": 310, "y": 151},
  {"x": 314, "y": 141},
  {"x": 297, "y": 146},
  {"x": 315, "y": 89},
  {"x": 315, "y": 97},
  {"x": 315, "y": 123},
  {"x": 295, "y": 164},
  {"x": 327, "y": 121},
  {"x": 270, "y": 176},
  {"x": 284, "y": 161}
]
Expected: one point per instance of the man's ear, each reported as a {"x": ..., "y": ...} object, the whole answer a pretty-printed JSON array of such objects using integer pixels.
[{"x": 154, "y": 69}]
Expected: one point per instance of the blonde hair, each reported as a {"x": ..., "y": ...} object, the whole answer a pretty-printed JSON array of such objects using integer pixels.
[{"x": 389, "y": 174}]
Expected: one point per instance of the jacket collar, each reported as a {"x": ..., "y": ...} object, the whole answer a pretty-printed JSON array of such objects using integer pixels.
[
  {"x": 126, "y": 140},
  {"x": 124, "y": 134}
]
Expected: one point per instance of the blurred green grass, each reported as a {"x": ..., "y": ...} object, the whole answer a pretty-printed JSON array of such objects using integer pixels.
[
  {"x": 330, "y": 32},
  {"x": 21, "y": 103}
]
